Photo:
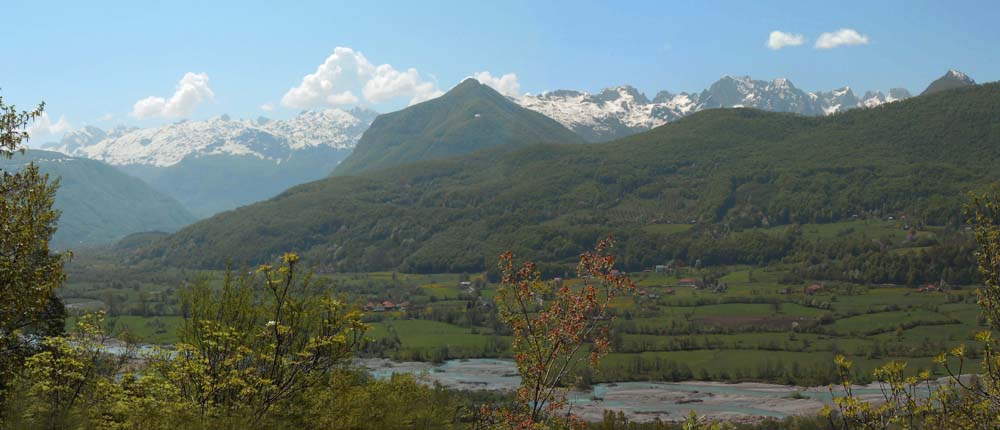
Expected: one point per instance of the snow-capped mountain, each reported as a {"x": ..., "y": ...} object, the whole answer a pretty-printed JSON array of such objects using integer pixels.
[
  {"x": 222, "y": 163},
  {"x": 262, "y": 138},
  {"x": 74, "y": 141},
  {"x": 620, "y": 111},
  {"x": 612, "y": 113}
]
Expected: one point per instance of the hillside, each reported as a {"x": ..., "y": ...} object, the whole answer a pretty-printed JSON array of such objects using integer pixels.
[
  {"x": 100, "y": 204},
  {"x": 470, "y": 117},
  {"x": 736, "y": 168}
]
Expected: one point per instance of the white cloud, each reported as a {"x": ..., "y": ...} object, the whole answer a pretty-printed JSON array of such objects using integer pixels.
[
  {"x": 106, "y": 117},
  {"x": 267, "y": 107},
  {"x": 344, "y": 98},
  {"x": 191, "y": 91},
  {"x": 780, "y": 39},
  {"x": 346, "y": 72},
  {"x": 842, "y": 37},
  {"x": 43, "y": 127},
  {"x": 389, "y": 83},
  {"x": 506, "y": 84}
]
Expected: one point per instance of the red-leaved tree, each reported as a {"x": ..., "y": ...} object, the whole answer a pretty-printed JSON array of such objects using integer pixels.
[{"x": 557, "y": 327}]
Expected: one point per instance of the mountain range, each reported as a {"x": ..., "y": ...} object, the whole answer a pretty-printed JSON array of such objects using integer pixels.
[
  {"x": 732, "y": 168},
  {"x": 621, "y": 111},
  {"x": 98, "y": 203},
  {"x": 222, "y": 163}
]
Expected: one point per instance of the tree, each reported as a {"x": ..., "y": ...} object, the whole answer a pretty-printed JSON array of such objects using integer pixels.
[
  {"x": 29, "y": 272},
  {"x": 264, "y": 350},
  {"x": 553, "y": 337},
  {"x": 258, "y": 341},
  {"x": 67, "y": 371}
]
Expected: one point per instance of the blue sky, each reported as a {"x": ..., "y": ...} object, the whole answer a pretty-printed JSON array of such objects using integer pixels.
[{"x": 92, "y": 62}]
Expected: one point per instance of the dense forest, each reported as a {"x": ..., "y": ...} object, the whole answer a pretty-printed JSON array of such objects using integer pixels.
[{"x": 723, "y": 171}]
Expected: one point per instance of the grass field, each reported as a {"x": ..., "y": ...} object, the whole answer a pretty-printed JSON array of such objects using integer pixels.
[{"x": 758, "y": 328}]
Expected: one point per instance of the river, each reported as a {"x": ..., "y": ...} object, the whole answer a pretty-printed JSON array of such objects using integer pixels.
[{"x": 640, "y": 401}]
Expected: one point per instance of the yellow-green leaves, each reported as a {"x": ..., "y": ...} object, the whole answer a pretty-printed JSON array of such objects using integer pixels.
[
  {"x": 259, "y": 339},
  {"x": 963, "y": 401}
]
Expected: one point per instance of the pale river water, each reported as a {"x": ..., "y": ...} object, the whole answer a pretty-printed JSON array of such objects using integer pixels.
[{"x": 640, "y": 401}]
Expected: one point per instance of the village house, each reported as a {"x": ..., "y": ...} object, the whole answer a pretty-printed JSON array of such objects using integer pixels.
[
  {"x": 690, "y": 282},
  {"x": 813, "y": 289},
  {"x": 929, "y": 288}
]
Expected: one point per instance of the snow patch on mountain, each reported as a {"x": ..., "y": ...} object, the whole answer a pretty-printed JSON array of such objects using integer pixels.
[
  {"x": 611, "y": 113},
  {"x": 623, "y": 110},
  {"x": 262, "y": 138}
]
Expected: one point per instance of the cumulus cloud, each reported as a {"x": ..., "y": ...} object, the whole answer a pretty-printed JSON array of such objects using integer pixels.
[
  {"x": 43, "y": 127},
  {"x": 191, "y": 91},
  {"x": 344, "y": 98},
  {"x": 345, "y": 72},
  {"x": 506, "y": 84},
  {"x": 267, "y": 107},
  {"x": 842, "y": 37},
  {"x": 780, "y": 39},
  {"x": 106, "y": 117},
  {"x": 389, "y": 83},
  {"x": 342, "y": 71}
]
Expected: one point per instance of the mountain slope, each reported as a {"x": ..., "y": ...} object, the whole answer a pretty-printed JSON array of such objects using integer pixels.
[
  {"x": 952, "y": 79},
  {"x": 470, "y": 117},
  {"x": 222, "y": 163},
  {"x": 622, "y": 111},
  {"x": 734, "y": 167},
  {"x": 100, "y": 204}
]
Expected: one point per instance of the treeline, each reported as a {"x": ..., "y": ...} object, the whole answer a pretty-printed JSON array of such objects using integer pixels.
[{"x": 951, "y": 261}]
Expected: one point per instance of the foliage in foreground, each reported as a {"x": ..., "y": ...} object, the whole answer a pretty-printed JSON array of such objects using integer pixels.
[
  {"x": 962, "y": 401},
  {"x": 29, "y": 272},
  {"x": 553, "y": 327},
  {"x": 248, "y": 353}
]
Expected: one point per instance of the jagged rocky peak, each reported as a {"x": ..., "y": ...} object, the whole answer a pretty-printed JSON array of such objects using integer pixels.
[
  {"x": 562, "y": 94},
  {"x": 622, "y": 110},
  {"x": 896, "y": 94},
  {"x": 624, "y": 92},
  {"x": 663, "y": 96}
]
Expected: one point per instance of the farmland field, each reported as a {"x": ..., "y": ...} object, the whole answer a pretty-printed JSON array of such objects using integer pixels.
[{"x": 759, "y": 327}]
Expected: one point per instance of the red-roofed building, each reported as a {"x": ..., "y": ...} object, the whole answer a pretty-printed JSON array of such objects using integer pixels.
[
  {"x": 689, "y": 282},
  {"x": 813, "y": 289},
  {"x": 929, "y": 288}
]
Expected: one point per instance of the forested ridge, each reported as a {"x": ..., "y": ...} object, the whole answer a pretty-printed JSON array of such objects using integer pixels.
[{"x": 723, "y": 170}]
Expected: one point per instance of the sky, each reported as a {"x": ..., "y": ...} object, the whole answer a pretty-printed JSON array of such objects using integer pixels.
[{"x": 152, "y": 62}]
